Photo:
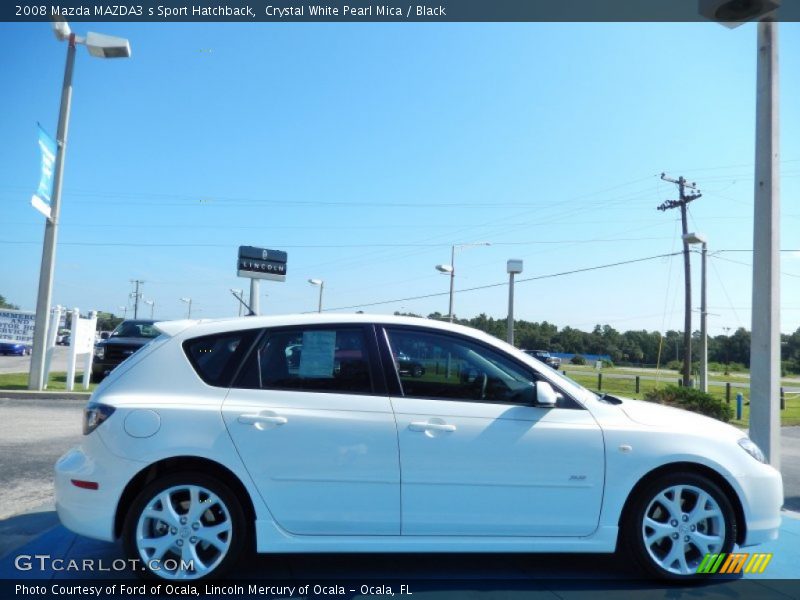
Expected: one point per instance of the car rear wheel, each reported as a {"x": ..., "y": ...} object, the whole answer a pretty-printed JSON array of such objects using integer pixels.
[
  {"x": 675, "y": 521},
  {"x": 185, "y": 526}
]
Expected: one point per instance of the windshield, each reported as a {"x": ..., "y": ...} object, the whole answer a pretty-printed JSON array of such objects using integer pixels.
[{"x": 136, "y": 329}]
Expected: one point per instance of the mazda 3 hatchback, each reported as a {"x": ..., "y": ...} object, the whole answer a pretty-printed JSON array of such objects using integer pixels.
[{"x": 306, "y": 434}]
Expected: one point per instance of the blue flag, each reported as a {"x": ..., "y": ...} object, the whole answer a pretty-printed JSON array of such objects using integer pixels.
[{"x": 41, "y": 199}]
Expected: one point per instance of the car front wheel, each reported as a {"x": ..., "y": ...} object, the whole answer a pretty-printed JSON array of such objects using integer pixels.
[
  {"x": 185, "y": 526},
  {"x": 675, "y": 521}
]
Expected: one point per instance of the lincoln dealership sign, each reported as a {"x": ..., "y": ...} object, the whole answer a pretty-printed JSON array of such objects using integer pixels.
[{"x": 260, "y": 263}]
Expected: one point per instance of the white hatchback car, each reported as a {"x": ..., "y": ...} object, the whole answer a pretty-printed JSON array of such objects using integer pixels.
[{"x": 302, "y": 434}]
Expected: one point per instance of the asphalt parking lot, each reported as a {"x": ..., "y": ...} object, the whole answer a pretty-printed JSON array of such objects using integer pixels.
[
  {"x": 22, "y": 364},
  {"x": 33, "y": 433}
]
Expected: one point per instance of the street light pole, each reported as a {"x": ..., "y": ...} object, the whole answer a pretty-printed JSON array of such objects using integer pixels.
[
  {"x": 704, "y": 321},
  {"x": 513, "y": 267},
  {"x": 189, "y": 302},
  {"x": 452, "y": 281},
  {"x": 694, "y": 238},
  {"x": 321, "y": 284},
  {"x": 47, "y": 270},
  {"x": 102, "y": 46},
  {"x": 152, "y": 304},
  {"x": 451, "y": 270}
]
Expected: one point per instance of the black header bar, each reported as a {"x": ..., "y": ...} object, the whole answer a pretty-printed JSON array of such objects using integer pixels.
[{"x": 355, "y": 11}]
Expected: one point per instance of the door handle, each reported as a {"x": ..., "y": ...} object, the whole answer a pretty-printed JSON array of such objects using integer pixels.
[
  {"x": 256, "y": 419},
  {"x": 428, "y": 426}
]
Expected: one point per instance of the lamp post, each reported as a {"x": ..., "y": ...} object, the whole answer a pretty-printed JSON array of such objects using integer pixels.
[
  {"x": 765, "y": 342},
  {"x": 189, "y": 302},
  {"x": 695, "y": 238},
  {"x": 451, "y": 270},
  {"x": 152, "y": 304},
  {"x": 513, "y": 267},
  {"x": 101, "y": 46},
  {"x": 321, "y": 285}
]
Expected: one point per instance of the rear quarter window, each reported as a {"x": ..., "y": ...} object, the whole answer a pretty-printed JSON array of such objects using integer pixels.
[{"x": 216, "y": 358}]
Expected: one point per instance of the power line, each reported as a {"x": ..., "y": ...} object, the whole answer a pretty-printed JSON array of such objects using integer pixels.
[
  {"x": 329, "y": 246},
  {"x": 504, "y": 283}
]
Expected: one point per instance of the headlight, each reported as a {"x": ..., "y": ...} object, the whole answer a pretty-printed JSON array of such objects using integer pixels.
[
  {"x": 753, "y": 450},
  {"x": 100, "y": 352},
  {"x": 94, "y": 415}
]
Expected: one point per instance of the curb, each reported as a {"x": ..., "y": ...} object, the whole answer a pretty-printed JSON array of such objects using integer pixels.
[{"x": 43, "y": 395}]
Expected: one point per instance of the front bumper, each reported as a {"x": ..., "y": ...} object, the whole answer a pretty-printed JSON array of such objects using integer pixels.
[
  {"x": 91, "y": 512},
  {"x": 762, "y": 501},
  {"x": 103, "y": 368}
]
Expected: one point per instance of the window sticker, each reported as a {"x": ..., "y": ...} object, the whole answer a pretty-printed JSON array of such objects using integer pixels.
[{"x": 317, "y": 357}]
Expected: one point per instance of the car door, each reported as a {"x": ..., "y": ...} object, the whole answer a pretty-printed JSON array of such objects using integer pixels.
[
  {"x": 478, "y": 457},
  {"x": 316, "y": 431}
]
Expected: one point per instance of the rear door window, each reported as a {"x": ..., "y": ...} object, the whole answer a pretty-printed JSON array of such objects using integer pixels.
[{"x": 315, "y": 359}]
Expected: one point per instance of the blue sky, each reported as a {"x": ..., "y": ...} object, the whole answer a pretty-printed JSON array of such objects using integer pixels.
[{"x": 366, "y": 150}]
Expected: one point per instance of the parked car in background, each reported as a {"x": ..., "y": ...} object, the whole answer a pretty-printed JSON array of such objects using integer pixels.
[
  {"x": 15, "y": 349},
  {"x": 408, "y": 366},
  {"x": 121, "y": 343},
  {"x": 207, "y": 442},
  {"x": 545, "y": 357},
  {"x": 62, "y": 337}
]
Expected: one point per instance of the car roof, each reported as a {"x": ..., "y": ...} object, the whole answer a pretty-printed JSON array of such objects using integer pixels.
[{"x": 192, "y": 328}]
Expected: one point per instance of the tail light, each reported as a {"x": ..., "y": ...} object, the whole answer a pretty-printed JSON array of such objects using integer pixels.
[{"x": 93, "y": 416}]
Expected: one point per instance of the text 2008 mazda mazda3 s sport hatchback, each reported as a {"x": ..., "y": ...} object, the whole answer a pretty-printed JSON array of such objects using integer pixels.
[{"x": 303, "y": 434}]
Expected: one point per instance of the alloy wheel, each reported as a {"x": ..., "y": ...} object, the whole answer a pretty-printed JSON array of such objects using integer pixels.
[
  {"x": 681, "y": 524},
  {"x": 184, "y": 531}
]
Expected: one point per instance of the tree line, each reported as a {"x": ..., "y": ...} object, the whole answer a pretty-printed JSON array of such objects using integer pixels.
[{"x": 637, "y": 347}]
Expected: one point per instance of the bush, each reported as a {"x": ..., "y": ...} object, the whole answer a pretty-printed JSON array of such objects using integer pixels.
[
  {"x": 790, "y": 367},
  {"x": 608, "y": 364},
  {"x": 675, "y": 365},
  {"x": 578, "y": 360},
  {"x": 691, "y": 399}
]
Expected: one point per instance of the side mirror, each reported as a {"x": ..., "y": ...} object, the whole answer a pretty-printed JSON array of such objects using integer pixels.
[
  {"x": 546, "y": 396},
  {"x": 104, "y": 335}
]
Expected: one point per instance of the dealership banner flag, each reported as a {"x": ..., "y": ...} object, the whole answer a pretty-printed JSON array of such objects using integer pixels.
[{"x": 41, "y": 199}]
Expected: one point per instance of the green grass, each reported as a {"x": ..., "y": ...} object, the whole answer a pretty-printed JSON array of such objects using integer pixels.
[
  {"x": 671, "y": 375},
  {"x": 627, "y": 388},
  {"x": 56, "y": 382}
]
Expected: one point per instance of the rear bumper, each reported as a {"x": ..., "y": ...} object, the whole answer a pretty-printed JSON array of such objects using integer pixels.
[{"x": 85, "y": 511}]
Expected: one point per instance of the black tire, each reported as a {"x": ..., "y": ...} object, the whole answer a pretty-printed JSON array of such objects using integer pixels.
[
  {"x": 417, "y": 371},
  {"x": 222, "y": 509},
  {"x": 97, "y": 377},
  {"x": 656, "y": 557}
]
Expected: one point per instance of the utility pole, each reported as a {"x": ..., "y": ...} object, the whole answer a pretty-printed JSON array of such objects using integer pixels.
[
  {"x": 136, "y": 295},
  {"x": 687, "y": 321},
  {"x": 765, "y": 345}
]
